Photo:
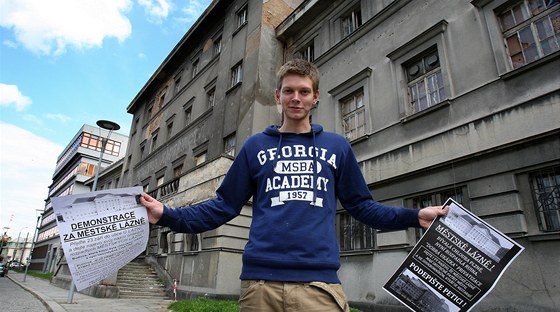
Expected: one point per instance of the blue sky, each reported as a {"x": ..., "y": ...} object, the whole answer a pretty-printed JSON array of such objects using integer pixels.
[{"x": 66, "y": 63}]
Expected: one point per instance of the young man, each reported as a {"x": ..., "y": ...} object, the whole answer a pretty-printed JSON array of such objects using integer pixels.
[{"x": 295, "y": 173}]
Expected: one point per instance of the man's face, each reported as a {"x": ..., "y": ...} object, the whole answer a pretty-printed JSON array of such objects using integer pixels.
[{"x": 296, "y": 97}]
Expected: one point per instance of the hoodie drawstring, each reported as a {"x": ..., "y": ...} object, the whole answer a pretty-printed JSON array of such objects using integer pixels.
[{"x": 314, "y": 170}]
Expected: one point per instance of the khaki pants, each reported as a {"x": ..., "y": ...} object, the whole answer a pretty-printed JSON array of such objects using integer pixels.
[{"x": 266, "y": 296}]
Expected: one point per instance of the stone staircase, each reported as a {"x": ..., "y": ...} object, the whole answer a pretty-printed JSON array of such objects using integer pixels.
[{"x": 139, "y": 281}]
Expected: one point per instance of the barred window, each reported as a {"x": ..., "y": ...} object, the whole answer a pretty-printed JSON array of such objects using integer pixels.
[
  {"x": 354, "y": 235},
  {"x": 546, "y": 194},
  {"x": 438, "y": 198},
  {"x": 352, "y": 21}
]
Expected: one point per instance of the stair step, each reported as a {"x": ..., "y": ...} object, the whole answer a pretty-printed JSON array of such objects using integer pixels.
[{"x": 138, "y": 280}]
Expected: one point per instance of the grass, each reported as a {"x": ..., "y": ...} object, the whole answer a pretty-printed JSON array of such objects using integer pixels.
[
  {"x": 41, "y": 275},
  {"x": 210, "y": 305}
]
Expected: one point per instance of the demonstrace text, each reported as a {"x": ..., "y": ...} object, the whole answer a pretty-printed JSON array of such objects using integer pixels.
[{"x": 103, "y": 225}]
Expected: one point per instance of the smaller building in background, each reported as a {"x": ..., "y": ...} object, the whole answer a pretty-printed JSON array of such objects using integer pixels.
[{"x": 74, "y": 167}]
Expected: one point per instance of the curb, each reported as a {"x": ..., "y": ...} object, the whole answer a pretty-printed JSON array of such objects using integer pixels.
[{"x": 51, "y": 305}]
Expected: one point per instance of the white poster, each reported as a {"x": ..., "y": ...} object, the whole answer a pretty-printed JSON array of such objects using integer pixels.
[{"x": 101, "y": 232}]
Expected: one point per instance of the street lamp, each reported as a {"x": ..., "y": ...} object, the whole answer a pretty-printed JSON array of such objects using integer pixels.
[{"x": 107, "y": 125}]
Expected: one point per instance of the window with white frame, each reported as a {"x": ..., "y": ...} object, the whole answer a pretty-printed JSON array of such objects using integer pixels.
[
  {"x": 242, "y": 17},
  {"x": 210, "y": 97},
  {"x": 351, "y": 21},
  {"x": 546, "y": 195},
  {"x": 307, "y": 52},
  {"x": 354, "y": 235},
  {"x": 200, "y": 158},
  {"x": 236, "y": 74},
  {"x": 177, "y": 86},
  {"x": 188, "y": 115},
  {"x": 154, "y": 143},
  {"x": 217, "y": 48},
  {"x": 229, "y": 145},
  {"x": 531, "y": 30},
  {"x": 425, "y": 81},
  {"x": 353, "y": 115},
  {"x": 195, "y": 67}
]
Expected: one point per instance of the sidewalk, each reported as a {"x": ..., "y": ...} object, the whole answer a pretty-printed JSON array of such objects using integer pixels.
[{"x": 55, "y": 298}]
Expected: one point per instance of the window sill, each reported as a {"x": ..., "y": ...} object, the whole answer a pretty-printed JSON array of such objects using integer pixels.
[
  {"x": 239, "y": 28},
  {"x": 360, "y": 139},
  {"x": 529, "y": 66},
  {"x": 429, "y": 110},
  {"x": 235, "y": 86}
]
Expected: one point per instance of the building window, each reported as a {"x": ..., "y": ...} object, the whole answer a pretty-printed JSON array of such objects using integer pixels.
[
  {"x": 236, "y": 75},
  {"x": 351, "y": 22},
  {"x": 169, "y": 130},
  {"x": 353, "y": 116},
  {"x": 86, "y": 169},
  {"x": 217, "y": 49},
  {"x": 149, "y": 113},
  {"x": 531, "y": 30},
  {"x": 229, "y": 145},
  {"x": 242, "y": 17},
  {"x": 546, "y": 194},
  {"x": 94, "y": 142},
  {"x": 425, "y": 82},
  {"x": 306, "y": 53},
  {"x": 188, "y": 115},
  {"x": 195, "y": 67},
  {"x": 199, "y": 159},
  {"x": 438, "y": 198},
  {"x": 354, "y": 235},
  {"x": 178, "y": 83},
  {"x": 154, "y": 143},
  {"x": 210, "y": 98},
  {"x": 177, "y": 171},
  {"x": 159, "y": 182}
]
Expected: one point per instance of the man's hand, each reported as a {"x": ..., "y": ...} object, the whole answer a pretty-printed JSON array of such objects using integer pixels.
[
  {"x": 428, "y": 214},
  {"x": 153, "y": 207}
]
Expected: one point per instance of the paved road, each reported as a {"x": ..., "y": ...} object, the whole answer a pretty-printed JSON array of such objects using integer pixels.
[{"x": 16, "y": 299}]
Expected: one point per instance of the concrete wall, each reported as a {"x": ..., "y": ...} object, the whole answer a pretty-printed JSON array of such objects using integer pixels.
[{"x": 495, "y": 127}]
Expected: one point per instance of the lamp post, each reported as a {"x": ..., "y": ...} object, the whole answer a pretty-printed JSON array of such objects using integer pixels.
[
  {"x": 23, "y": 251},
  {"x": 17, "y": 243},
  {"x": 33, "y": 243},
  {"x": 107, "y": 125}
]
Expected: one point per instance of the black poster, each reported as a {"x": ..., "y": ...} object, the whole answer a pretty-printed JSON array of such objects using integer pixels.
[{"x": 454, "y": 265}]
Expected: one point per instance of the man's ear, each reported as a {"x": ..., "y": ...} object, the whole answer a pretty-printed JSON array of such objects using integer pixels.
[
  {"x": 315, "y": 99},
  {"x": 277, "y": 96}
]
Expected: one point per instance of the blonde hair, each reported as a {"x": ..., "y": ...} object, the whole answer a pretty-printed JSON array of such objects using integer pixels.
[{"x": 299, "y": 67}]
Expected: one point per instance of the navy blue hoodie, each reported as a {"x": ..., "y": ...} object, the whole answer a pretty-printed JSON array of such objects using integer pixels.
[{"x": 292, "y": 236}]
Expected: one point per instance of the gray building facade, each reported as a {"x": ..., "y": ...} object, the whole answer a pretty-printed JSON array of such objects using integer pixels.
[{"x": 439, "y": 99}]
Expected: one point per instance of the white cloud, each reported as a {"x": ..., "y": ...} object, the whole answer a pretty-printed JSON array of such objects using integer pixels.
[
  {"x": 10, "y": 95},
  {"x": 49, "y": 27},
  {"x": 157, "y": 10},
  {"x": 9, "y": 43},
  {"x": 27, "y": 163},
  {"x": 33, "y": 119},
  {"x": 59, "y": 117},
  {"x": 193, "y": 9}
]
